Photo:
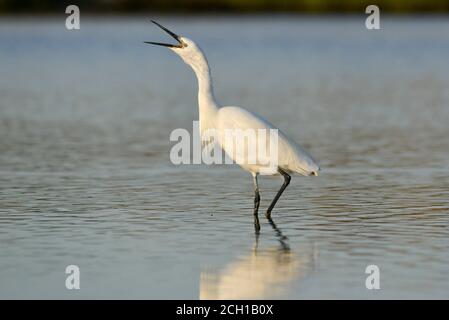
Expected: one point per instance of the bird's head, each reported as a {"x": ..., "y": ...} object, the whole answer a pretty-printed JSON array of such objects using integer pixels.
[{"x": 187, "y": 49}]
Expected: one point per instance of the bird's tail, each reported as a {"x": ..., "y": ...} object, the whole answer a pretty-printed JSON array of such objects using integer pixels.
[{"x": 307, "y": 167}]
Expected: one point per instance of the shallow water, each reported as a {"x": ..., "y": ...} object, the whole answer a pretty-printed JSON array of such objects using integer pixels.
[{"x": 85, "y": 176}]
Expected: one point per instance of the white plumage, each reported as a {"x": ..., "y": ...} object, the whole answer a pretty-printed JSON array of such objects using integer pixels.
[{"x": 291, "y": 158}]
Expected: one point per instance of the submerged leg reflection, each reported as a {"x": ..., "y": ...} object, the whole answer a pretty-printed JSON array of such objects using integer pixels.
[
  {"x": 262, "y": 273},
  {"x": 256, "y": 204},
  {"x": 281, "y": 238}
]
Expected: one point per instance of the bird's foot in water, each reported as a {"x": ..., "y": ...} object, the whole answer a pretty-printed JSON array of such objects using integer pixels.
[
  {"x": 268, "y": 215},
  {"x": 256, "y": 224}
]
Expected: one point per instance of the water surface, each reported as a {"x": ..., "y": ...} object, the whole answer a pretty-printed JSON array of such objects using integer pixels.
[{"x": 85, "y": 176}]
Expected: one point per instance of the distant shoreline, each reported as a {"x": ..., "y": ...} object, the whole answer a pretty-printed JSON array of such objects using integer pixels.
[
  {"x": 187, "y": 15},
  {"x": 111, "y": 7}
]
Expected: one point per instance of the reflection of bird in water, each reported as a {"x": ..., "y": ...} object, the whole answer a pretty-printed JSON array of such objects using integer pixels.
[{"x": 262, "y": 274}]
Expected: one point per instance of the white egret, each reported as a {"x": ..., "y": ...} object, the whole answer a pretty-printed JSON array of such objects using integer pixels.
[{"x": 291, "y": 158}]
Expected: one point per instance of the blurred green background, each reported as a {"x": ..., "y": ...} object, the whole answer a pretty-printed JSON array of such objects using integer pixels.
[{"x": 225, "y": 6}]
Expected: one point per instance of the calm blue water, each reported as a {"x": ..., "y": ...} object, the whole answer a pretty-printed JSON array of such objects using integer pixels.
[{"x": 85, "y": 176}]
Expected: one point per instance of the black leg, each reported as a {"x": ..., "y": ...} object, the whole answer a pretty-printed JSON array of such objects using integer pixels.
[
  {"x": 287, "y": 179},
  {"x": 256, "y": 210},
  {"x": 256, "y": 205}
]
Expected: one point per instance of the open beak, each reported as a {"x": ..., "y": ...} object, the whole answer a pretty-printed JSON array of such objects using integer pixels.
[{"x": 174, "y": 35}]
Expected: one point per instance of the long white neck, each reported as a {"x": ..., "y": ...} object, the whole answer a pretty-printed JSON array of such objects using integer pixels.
[{"x": 206, "y": 100}]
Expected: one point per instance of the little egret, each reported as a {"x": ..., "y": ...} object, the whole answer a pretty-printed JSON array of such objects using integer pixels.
[{"x": 291, "y": 158}]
